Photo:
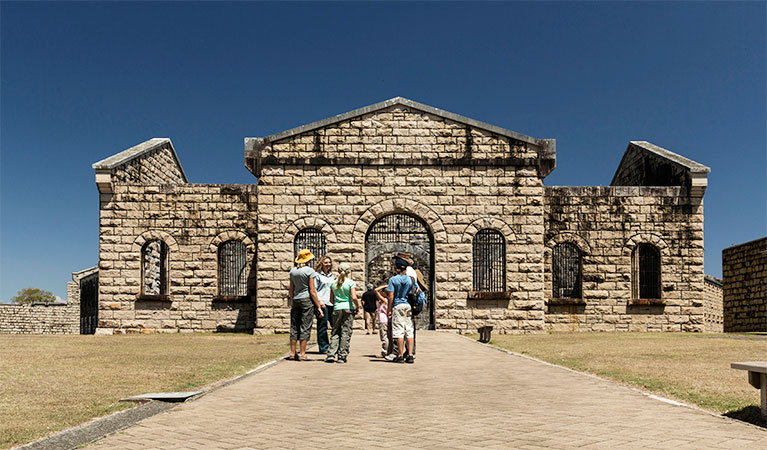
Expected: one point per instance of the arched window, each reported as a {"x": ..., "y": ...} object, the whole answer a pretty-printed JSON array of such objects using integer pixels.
[
  {"x": 154, "y": 268},
  {"x": 231, "y": 269},
  {"x": 489, "y": 261},
  {"x": 645, "y": 280},
  {"x": 310, "y": 238},
  {"x": 567, "y": 271}
]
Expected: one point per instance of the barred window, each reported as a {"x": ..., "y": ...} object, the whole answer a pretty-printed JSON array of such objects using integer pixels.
[
  {"x": 154, "y": 268},
  {"x": 646, "y": 272},
  {"x": 231, "y": 269},
  {"x": 567, "y": 271},
  {"x": 489, "y": 261},
  {"x": 312, "y": 239}
]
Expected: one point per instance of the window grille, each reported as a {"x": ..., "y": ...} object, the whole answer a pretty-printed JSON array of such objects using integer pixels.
[
  {"x": 154, "y": 258},
  {"x": 231, "y": 269},
  {"x": 567, "y": 271},
  {"x": 312, "y": 239},
  {"x": 489, "y": 268},
  {"x": 646, "y": 280}
]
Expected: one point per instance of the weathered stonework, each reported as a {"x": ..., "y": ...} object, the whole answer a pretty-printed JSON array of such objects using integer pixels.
[
  {"x": 607, "y": 223},
  {"x": 455, "y": 175},
  {"x": 712, "y": 293},
  {"x": 744, "y": 281},
  {"x": 46, "y": 318}
]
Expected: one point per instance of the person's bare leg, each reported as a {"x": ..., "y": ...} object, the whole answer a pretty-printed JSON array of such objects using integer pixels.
[
  {"x": 303, "y": 348},
  {"x": 400, "y": 346},
  {"x": 292, "y": 347},
  {"x": 409, "y": 346}
]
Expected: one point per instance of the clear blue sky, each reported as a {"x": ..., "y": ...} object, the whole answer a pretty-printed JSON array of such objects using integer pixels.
[{"x": 83, "y": 81}]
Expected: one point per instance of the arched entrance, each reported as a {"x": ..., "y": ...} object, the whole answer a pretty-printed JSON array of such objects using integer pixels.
[{"x": 400, "y": 232}]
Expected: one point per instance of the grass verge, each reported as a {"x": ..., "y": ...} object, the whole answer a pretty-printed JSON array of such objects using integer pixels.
[
  {"x": 692, "y": 368},
  {"x": 51, "y": 383}
]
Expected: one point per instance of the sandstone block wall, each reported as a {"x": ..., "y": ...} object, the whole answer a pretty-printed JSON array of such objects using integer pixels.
[
  {"x": 744, "y": 281},
  {"x": 712, "y": 290},
  {"x": 154, "y": 167},
  {"x": 342, "y": 178},
  {"x": 192, "y": 219},
  {"x": 606, "y": 223},
  {"x": 43, "y": 318}
]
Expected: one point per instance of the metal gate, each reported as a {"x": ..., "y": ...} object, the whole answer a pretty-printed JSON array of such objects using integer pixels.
[
  {"x": 401, "y": 233},
  {"x": 231, "y": 269},
  {"x": 566, "y": 265},
  {"x": 489, "y": 266},
  {"x": 89, "y": 301}
]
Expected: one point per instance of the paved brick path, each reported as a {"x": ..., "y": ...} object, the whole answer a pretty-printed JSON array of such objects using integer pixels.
[{"x": 458, "y": 394}]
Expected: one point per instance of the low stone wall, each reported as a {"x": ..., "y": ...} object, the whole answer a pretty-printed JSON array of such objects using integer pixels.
[
  {"x": 43, "y": 318},
  {"x": 744, "y": 278},
  {"x": 712, "y": 294}
]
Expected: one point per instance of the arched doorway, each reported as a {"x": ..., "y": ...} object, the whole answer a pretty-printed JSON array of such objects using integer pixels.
[{"x": 400, "y": 232}]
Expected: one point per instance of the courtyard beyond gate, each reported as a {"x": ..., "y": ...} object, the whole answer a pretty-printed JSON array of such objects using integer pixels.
[{"x": 459, "y": 394}]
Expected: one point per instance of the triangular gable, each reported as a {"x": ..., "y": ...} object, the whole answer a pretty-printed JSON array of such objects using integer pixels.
[{"x": 308, "y": 142}]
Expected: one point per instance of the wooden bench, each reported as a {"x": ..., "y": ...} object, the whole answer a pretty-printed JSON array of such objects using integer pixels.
[
  {"x": 757, "y": 377},
  {"x": 484, "y": 333}
]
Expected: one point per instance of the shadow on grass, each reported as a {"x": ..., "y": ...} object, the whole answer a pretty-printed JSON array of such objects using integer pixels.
[{"x": 750, "y": 414}]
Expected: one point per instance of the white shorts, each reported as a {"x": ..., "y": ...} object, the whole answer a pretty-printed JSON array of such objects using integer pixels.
[{"x": 402, "y": 322}]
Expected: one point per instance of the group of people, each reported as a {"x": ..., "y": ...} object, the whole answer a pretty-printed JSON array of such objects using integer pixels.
[{"x": 332, "y": 299}]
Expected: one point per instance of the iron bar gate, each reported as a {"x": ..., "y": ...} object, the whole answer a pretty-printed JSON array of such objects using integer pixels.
[{"x": 489, "y": 256}]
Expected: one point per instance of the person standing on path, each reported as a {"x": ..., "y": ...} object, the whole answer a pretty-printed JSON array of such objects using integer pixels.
[
  {"x": 369, "y": 308},
  {"x": 382, "y": 315},
  {"x": 400, "y": 311},
  {"x": 303, "y": 293},
  {"x": 342, "y": 294},
  {"x": 324, "y": 281}
]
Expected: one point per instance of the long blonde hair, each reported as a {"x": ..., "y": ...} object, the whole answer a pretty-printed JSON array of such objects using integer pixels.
[
  {"x": 343, "y": 271},
  {"x": 321, "y": 261}
]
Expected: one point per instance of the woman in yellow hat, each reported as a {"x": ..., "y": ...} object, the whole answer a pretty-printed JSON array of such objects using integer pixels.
[{"x": 304, "y": 296}]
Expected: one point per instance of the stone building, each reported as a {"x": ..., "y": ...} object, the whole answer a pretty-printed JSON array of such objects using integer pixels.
[
  {"x": 466, "y": 198},
  {"x": 714, "y": 309},
  {"x": 744, "y": 280}
]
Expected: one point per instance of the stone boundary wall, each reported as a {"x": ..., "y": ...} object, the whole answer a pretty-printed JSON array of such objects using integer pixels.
[
  {"x": 43, "y": 318},
  {"x": 609, "y": 221},
  {"x": 712, "y": 289},
  {"x": 744, "y": 278},
  {"x": 192, "y": 219}
]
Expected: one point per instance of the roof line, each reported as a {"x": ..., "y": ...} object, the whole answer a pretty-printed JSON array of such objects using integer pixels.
[
  {"x": 134, "y": 152},
  {"x": 672, "y": 157},
  {"x": 404, "y": 102}
]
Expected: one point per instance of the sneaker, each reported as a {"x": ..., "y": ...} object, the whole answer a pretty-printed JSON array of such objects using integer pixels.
[
  {"x": 399, "y": 359},
  {"x": 341, "y": 361},
  {"x": 330, "y": 359},
  {"x": 383, "y": 354},
  {"x": 390, "y": 357},
  {"x": 410, "y": 359}
]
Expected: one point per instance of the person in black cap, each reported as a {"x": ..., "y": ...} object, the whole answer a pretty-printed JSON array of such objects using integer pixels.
[{"x": 400, "y": 311}]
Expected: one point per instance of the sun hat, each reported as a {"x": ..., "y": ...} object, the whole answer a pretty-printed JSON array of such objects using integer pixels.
[
  {"x": 421, "y": 281},
  {"x": 304, "y": 256},
  {"x": 408, "y": 257}
]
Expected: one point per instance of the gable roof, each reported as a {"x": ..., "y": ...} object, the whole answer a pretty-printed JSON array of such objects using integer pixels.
[
  {"x": 137, "y": 151},
  {"x": 545, "y": 143}
]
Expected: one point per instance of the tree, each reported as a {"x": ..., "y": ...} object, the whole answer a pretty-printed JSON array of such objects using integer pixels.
[{"x": 33, "y": 295}]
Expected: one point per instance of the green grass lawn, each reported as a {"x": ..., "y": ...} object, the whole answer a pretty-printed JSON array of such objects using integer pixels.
[
  {"x": 50, "y": 383},
  {"x": 692, "y": 368}
]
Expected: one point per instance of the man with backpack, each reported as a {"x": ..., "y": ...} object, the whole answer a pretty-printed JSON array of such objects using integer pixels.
[{"x": 400, "y": 311}]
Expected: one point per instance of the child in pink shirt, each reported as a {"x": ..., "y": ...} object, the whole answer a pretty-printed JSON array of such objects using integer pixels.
[{"x": 382, "y": 315}]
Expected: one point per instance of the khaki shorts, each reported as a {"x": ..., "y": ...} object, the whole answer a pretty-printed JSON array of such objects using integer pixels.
[{"x": 402, "y": 322}]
